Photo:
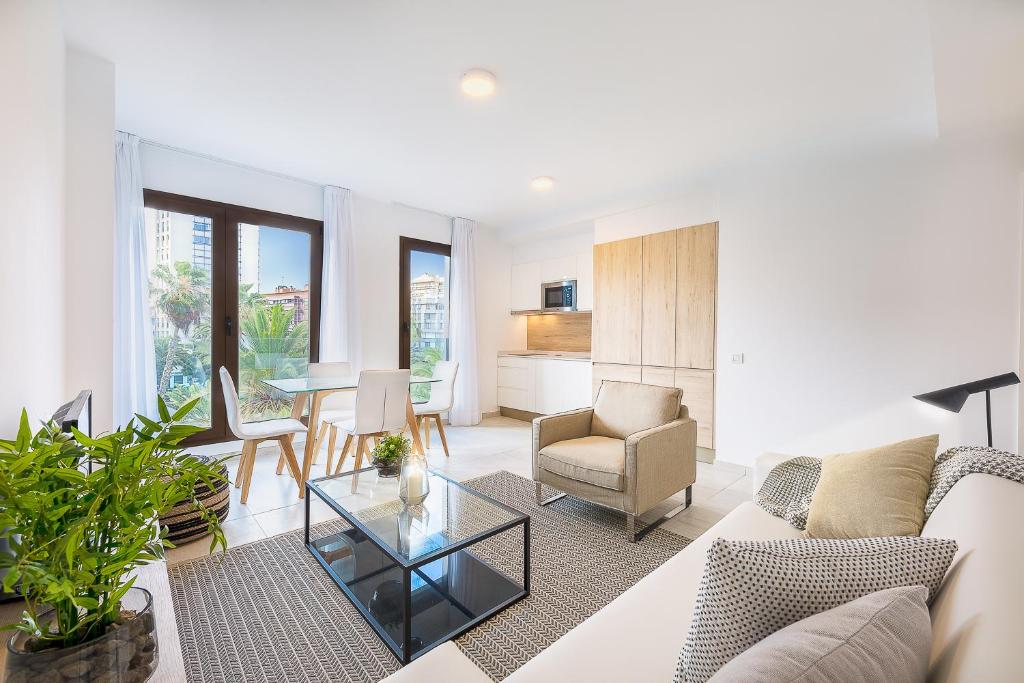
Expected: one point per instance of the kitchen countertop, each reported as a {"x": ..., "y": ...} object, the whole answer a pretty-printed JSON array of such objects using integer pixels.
[{"x": 561, "y": 355}]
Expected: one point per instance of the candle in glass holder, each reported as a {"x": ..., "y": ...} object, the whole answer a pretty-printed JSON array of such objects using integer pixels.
[{"x": 414, "y": 483}]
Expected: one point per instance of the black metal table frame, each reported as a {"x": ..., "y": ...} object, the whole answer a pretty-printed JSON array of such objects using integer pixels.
[{"x": 402, "y": 651}]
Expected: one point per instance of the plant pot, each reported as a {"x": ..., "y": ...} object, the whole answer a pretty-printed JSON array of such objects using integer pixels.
[
  {"x": 388, "y": 469},
  {"x": 125, "y": 654}
]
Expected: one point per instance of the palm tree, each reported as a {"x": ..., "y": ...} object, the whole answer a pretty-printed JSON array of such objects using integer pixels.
[
  {"x": 270, "y": 345},
  {"x": 183, "y": 295}
]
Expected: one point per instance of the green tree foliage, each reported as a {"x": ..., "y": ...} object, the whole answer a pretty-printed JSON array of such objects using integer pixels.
[
  {"x": 183, "y": 295},
  {"x": 271, "y": 345}
]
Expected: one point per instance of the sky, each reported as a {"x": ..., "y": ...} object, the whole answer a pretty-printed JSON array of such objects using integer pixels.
[
  {"x": 425, "y": 262},
  {"x": 284, "y": 258}
]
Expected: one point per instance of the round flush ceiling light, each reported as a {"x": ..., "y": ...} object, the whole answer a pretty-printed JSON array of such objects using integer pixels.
[
  {"x": 542, "y": 183},
  {"x": 478, "y": 83}
]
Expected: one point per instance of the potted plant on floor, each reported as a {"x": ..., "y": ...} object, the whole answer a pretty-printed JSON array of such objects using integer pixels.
[
  {"x": 388, "y": 453},
  {"x": 83, "y": 514}
]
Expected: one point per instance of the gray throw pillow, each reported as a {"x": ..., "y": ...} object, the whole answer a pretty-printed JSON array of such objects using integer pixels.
[
  {"x": 885, "y": 637},
  {"x": 751, "y": 589}
]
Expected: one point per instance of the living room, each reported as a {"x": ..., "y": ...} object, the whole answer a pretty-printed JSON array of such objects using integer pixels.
[{"x": 473, "y": 342}]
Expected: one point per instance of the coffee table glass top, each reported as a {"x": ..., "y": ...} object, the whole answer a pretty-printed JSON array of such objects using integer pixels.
[{"x": 450, "y": 515}]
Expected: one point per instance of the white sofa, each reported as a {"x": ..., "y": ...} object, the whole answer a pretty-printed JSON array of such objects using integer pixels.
[{"x": 977, "y": 618}]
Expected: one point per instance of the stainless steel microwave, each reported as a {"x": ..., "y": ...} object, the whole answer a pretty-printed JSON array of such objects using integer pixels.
[{"x": 558, "y": 296}]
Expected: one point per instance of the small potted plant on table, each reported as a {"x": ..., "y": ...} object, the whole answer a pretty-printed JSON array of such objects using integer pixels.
[
  {"x": 82, "y": 513},
  {"x": 388, "y": 453}
]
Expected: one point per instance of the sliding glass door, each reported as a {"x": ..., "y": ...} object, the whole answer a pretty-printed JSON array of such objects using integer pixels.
[
  {"x": 424, "y": 274},
  {"x": 232, "y": 287}
]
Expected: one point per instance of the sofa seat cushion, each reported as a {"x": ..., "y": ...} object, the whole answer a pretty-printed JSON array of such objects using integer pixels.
[
  {"x": 624, "y": 408},
  {"x": 597, "y": 460},
  {"x": 637, "y": 636}
]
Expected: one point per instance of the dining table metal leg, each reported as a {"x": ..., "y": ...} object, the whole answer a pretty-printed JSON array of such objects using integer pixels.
[{"x": 410, "y": 416}]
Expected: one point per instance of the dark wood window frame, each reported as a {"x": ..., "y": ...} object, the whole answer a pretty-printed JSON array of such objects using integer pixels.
[
  {"x": 224, "y": 289},
  {"x": 407, "y": 245}
]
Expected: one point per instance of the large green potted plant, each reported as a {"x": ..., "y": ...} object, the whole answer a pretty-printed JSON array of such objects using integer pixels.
[{"x": 82, "y": 514}]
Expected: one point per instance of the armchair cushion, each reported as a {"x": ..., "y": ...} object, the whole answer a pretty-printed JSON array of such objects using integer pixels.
[
  {"x": 623, "y": 408},
  {"x": 596, "y": 460}
]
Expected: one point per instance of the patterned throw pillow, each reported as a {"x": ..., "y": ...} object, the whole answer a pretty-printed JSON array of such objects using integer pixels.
[{"x": 751, "y": 589}]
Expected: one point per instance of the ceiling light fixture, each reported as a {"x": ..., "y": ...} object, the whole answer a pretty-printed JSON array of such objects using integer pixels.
[
  {"x": 542, "y": 183},
  {"x": 478, "y": 83}
]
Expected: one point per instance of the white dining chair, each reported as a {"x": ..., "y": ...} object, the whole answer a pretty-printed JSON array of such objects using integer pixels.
[
  {"x": 254, "y": 433},
  {"x": 381, "y": 399},
  {"x": 442, "y": 394},
  {"x": 333, "y": 407}
]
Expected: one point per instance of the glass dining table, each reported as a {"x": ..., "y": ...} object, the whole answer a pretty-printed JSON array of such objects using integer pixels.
[{"x": 302, "y": 388}]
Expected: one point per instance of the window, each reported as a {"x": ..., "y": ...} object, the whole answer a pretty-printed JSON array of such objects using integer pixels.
[
  {"x": 257, "y": 314},
  {"x": 424, "y": 273}
]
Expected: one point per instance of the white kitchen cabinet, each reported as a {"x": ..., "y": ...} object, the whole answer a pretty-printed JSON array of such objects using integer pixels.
[
  {"x": 515, "y": 382},
  {"x": 585, "y": 281},
  {"x": 543, "y": 385},
  {"x": 560, "y": 385},
  {"x": 526, "y": 281},
  {"x": 554, "y": 269}
]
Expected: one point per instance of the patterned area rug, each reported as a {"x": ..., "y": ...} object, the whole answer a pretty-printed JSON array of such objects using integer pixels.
[{"x": 268, "y": 612}]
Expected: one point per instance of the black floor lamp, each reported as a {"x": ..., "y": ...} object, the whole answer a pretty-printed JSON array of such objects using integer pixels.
[{"x": 953, "y": 398}]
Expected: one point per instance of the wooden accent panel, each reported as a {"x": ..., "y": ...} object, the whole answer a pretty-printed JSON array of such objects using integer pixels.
[
  {"x": 658, "y": 340},
  {"x": 696, "y": 284},
  {"x": 563, "y": 332},
  {"x": 662, "y": 377},
  {"x": 618, "y": 311},
  {"x": 699, "y": 397},
  {"x": 618, "y": 373}
]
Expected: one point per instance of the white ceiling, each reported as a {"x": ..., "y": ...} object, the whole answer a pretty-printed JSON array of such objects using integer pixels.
[{"x": 620, "y": 102}]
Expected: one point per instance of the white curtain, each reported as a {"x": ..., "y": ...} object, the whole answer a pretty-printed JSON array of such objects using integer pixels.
[
  {"x": 462, "y": 333},
  {"x": 134, "y": 363},
  {"x": 339, "y": 300}
]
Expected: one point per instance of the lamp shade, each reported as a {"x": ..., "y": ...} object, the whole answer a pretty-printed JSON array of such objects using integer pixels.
[{"x": 953, "y": 398}]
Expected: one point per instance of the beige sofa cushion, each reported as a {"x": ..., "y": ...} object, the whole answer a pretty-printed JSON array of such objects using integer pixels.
[
  {"x": 877, "y": 492},
  {"x": 623, "y": 408},
  {"x": 884, "y": 637},
  {"x": 597, "y": 460}
]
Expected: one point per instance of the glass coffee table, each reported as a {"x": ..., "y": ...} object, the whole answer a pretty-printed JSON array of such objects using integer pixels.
[{"x": 420, "y": 575}]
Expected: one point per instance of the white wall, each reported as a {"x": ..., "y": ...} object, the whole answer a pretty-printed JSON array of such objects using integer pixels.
[
  {"x": 851, "y": 287},
  {"x": 88, "y": 245},
  {"x": 32, "y": 219},
  {"x": 378, "y": 225}
]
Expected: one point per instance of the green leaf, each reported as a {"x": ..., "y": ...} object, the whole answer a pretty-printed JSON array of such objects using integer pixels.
[{"x": 165, "y": 415}]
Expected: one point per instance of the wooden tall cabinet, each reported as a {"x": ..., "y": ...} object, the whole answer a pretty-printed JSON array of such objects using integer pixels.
[
  {"x": 617, "y": 317},
  {"x": 655, "y": 310},
  {"x": 696, "y": 296},
  {"x": 658, "y": 328}
]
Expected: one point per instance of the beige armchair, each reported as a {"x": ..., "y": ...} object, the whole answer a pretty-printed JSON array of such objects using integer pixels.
[{"x": 636, "y": 447}]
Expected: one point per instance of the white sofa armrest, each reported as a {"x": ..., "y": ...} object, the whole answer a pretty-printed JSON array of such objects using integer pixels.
[
  {"x": 444, "y": 663},
  {"x": 764, "y": 464}
]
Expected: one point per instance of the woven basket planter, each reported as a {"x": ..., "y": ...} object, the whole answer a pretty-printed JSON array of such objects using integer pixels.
[{"x": 184, "y": 523}]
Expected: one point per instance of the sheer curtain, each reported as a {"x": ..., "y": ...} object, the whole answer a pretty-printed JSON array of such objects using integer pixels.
[
  {"x": 462, "y": 333},
  {"x": 134, "y": 355},
  {"x": 339, "y": 300}
]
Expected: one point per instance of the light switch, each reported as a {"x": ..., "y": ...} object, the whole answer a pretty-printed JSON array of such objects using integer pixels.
[{"x": 737, "y": 359}]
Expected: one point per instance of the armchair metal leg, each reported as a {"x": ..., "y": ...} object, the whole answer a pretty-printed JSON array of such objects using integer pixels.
[
  {"x": 631, "y": 520},
  {"x": 552, "y": 499}
]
